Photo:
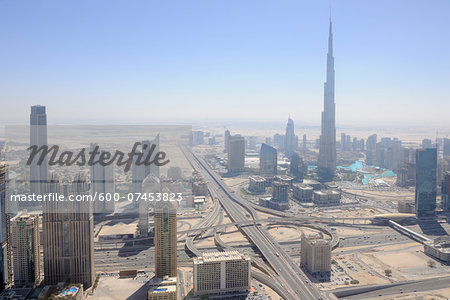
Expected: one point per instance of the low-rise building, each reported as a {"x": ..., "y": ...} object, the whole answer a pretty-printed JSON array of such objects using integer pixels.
[
  {"x": 285, "y": 179},
  {"x": 302, "y": 192},
  {"x": 327, "y": 198},
  {"x": 438, "y": 248},
  {"x": 200, "y": 188},
  {"x": 405, "y": 206},
  {"x": 257, "y": 184},
  {"x": 62, "y": 291},
  {"x": 162, "y": 289},
  {"x": 221, "y": 273}
]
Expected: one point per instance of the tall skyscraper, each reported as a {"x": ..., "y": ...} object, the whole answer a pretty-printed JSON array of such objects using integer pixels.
[
  {"x": 150, "y": 175},
  {"x": 165, "y": 216},
  {"x": 68, "y": 235},
  {"x": 289, "y": 139},
  {"x": 304, "y": 142},
  {"x": 102, "y": 181},
  {"x": 445, "y": 195},
  {"x": 371, "y": 150},
  {"x": 426, "y": 167},
  {"x": 236, "y": 154},
  {"x": 327, "y": 149},
  {"x": 5, "y": 245},
  {"x": 267, "y": 160},
  {"x": 297, "y": 168},
  {"x": 227, "y": 137},
  {"x": 25, "y": 248},
  {"x": 38, "y": 137},
  {"x": 446, "y": 148}
]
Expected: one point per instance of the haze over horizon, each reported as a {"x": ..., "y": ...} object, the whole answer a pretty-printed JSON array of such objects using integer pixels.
[{"x": 209, "y": 62}]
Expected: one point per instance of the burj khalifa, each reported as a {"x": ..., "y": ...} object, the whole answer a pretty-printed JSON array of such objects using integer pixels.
[{"x": 326, "y": 166}]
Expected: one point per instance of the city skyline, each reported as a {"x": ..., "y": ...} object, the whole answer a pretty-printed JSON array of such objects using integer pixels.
[{"x": 388, "y": 59}]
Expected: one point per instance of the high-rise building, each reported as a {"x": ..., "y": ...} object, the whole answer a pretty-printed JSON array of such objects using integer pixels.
[
  {"x": 5, "y": 241},
  {"x": 142, "y": 172},
  {"x": 427, "y": 143},
  {"x": 290, "y": 139},
  {"x": 222, "y": 273},
  {"x": 280, "y": 191},
  {"x": 165, "y": 216},
  {"x": 327, "y": 147},
  {"x": 236, "y": 154},
  {"x": 227, "y": 137},
  {"x": 68, "y": 234},
  {"x": 267, "y": 161},
  {"x": 25, "y": 248},
  {"x": 315, "y": 253},
  {"x": 446, "y": 148},
  {"x": 38, "y": 137},
  {"x": 426, "y": 168},
  {"x": 445, "y": 195},
  {"x": 297, "y": 168},
  {"x": 102, "y": 182},
  {"x": 371, "y": 150},
  {"x": 304, "y": 142}
]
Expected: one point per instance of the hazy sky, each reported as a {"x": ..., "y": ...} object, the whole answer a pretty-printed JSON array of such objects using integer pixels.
[{"x": 177, "y": 61}]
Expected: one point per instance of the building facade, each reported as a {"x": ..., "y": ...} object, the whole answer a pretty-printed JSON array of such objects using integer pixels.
[
  {"x": 236, "y": 154},
  {"x": 426, "y": 168},
  {"x": 445, "y": 192},
  {"x": 102, "y": 182},
  {"x": 38, "y": 137},
  {"x": 165, "y": 216},
  {"x": 222, "y": 273},
  {"x": 290, "y": 140},
  {"x": 68, "y": 235},
  {"x": 326, "y": 165},
  {"x": 316, "y": 253},
  {"x": 267, "y": 161},
  {"x": 5, "y": 239},
  {"x": 26, "y": 250}
]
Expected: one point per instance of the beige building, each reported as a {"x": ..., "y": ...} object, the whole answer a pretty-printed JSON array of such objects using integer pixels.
[
  {"x": 236, "y": 154},
  {"x": 316, "y": 253},
  {"x": 302, "y": 192},
  {"x": 68, "y": 235},
  {"x": 165, "y": 216},
  {"x": 327, "y": 198},
  {"x": 406, "y": 206},
  {"x": 163, "y": 289},
  {"x": 221, "y": 272},
  {"x": 25, "y": 248},
  {"x": 257, "y": 184}
]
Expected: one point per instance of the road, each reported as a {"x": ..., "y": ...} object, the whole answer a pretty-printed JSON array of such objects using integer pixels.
[
  {"x": 408, "y": 288},
  {"x": 289, "y": 275}
]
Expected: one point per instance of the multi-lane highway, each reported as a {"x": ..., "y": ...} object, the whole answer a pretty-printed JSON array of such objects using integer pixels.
[{"x": 291, "y": 278}]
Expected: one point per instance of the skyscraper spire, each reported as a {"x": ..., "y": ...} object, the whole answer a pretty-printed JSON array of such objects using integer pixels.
[{"x": 327, "y": 151}]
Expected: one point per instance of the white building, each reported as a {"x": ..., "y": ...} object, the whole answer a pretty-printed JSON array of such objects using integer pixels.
[{"x": 221, "y": 273}]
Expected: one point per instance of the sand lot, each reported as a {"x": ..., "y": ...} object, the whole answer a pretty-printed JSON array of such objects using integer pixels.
[
  {"x": 407, "y": 262},
  {"x": 285, "y": 233},
  {"x": 113, "y": 288}
]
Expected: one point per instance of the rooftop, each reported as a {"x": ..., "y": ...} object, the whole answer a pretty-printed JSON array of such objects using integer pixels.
[{"x": 219, "y": 256}]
